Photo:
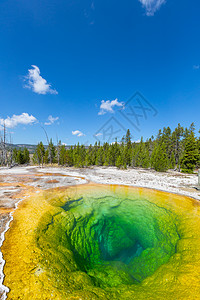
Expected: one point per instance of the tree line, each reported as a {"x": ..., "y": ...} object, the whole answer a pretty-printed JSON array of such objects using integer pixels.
[
  {"x": 9, "y": 155},
  {"x": 15, "y": 156},
  {"x": 178, "y": 149},
  {"x": 21, "y": 156}
]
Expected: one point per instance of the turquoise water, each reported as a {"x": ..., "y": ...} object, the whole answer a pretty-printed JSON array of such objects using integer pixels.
[{"x": 114, "y": 240}]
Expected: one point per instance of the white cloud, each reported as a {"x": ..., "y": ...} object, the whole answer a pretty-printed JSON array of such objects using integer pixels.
[
  {"x": 78, "y": 133},
  {"x": 51, "y": 120},
  {"x": 98, "y": 134},
  {"x": 107, "y": 106},
  {"x": 151, "y": 6},
  {"x": 15, "y": 120},
  {"x": 36, "y": 83}
]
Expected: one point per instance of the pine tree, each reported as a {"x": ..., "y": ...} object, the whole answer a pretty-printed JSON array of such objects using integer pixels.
[
  {"x": 26, "y": 156},
  {"x": 34, "y": 158},
  {"x": 116, "y": 150},
  {"x": 167, "y": 139},
  {"x": 192, "y": 128},
  {"x": 198, "y": 146},
  {"x": 82, "y": 155},
  {"x": 172, "y": 162},
  {"x": 107, "y": 158},
  {"x": 177, "y": 147},
  {"x": 159, "y": 160},
  {"x": 76, "y": 151},
  {"x": 127, "y": 149},
  {"x": 142, "y": 157},
  {"x": 159, "y": 135},
  {"x": 15, "y": 155},
  {"x": 128, "y": 138},
  {"x": 100, "y": 157},
  {"x": 191, "y": 155},
  {"x": 58, "y": 150},
  {"x": 39, "y": 154},
  {"x": 119, "y": 162},
  {"x": 134, "y": 155},
  {"x": 94, "y": 153},
  {"x": 145, "y": 159},
  {"x": 79, "y": 155},
  {"x": 88, "y": 156},
  {"x": 62, "y": 156},
  {"x": 52, "y": 152},
  {"x": 20, "y": 157},
  {"x": 46, "y": 156},
  {"x": 124, "y": 165},
  {"x": 69, "y": 157},
  {"x": 150, "y": 145}
]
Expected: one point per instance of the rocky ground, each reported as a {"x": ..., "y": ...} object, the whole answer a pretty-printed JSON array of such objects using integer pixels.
[{"x": 170, "y": 181}]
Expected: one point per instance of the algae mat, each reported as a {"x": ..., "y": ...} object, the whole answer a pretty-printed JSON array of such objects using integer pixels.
[{"x": 104, "y": 242}]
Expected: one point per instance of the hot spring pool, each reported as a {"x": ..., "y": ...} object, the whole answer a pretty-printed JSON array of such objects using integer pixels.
[{"x": 104, "y": 242}]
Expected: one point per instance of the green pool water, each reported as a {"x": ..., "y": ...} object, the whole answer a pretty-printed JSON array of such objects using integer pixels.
[{"x": 110, "y": 240}]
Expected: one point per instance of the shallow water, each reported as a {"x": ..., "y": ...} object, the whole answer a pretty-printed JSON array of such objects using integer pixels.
[{"x": 104, "y": 242}]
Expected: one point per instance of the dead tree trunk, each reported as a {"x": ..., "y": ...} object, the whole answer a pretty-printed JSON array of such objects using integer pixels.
[
  {"x": 50, "y": 154},
  {"x": 3, "y": 144}
]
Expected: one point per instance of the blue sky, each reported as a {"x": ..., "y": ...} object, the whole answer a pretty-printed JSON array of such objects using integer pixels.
[{"x": 71, "y": 66}]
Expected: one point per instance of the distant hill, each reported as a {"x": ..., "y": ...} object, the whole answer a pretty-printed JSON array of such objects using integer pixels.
[{"x": 31, "y": 148}]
